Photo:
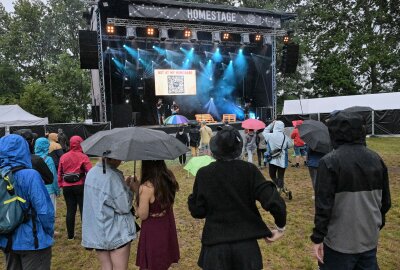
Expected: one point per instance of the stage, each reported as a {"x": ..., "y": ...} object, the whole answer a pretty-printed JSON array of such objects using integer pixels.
[
  {"x": 210, "y": 59},
  {"x": 171, "y": 129}
]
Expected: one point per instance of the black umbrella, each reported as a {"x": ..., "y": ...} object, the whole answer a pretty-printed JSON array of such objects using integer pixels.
[
  {"x": 316, "y": 135},
  {"x": 134, "y": 143},
  {"x": 358, "y": 109}
]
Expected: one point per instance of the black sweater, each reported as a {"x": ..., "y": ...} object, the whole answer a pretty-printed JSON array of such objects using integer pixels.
[{"x": 225, "y": 194}]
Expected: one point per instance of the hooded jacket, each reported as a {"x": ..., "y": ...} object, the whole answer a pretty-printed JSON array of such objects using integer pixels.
[
  {"x": 74, "y": 161},
  {"x": 274, "y": 141},
  {"x": 14, "y": 152},
  {"x": 42, "y": 150},
  {"x": 352, "y": 192},
  {"x": 55, "y": 150},
  {"x": 250, "y": 141}
]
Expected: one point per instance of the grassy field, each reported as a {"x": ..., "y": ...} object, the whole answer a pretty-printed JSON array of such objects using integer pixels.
[{"x": 292, "y": 252}]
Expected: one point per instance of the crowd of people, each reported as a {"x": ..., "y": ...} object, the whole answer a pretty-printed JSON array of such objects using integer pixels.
[{"x": 351, "y": 188}]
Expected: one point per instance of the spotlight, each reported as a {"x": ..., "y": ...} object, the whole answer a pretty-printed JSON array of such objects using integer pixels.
[
  {"x": 257, "y": 38},
  {"x": 240, "y": 50},
  {"x": 216, "y": 36},
  {"x": 163, "y": 34},
  {"x": 150, "y": 31},
  {"x": 267, "y": 40},
  {"x": 131, "y": 32},
  {"x": 225, "y": 36},
  {"x": 244, "y": 38},
  {"x": 110, "y": 29},
  {"x": 187, "y": 33},
  {"x": 193, "y": 37},
  {"x": 127, "y": 100},
  {"x": 286, "y": 39},
  {"x": 112, "y": 58}
]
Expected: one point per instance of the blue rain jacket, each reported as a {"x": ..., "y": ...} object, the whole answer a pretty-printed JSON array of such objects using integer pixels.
[
  {"x": 42, "y": 150},
  {"x": 14, "y": 152}
]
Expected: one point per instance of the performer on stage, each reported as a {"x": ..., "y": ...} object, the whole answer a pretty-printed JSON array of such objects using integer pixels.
[
  {"x": 174, "y": 108},
  {"x": 160, "y": 112}
]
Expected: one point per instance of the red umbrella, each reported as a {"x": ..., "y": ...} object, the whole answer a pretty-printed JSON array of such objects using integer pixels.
[
  {"x": 253, "y": 124},
  {"x": 297, "y": 123}
]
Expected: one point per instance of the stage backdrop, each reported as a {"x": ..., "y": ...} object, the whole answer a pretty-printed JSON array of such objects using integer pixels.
[{"x": 172, "y": 82}]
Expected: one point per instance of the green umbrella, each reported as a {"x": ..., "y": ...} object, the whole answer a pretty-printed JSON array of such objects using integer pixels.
[{"x": 195, "y": 163}]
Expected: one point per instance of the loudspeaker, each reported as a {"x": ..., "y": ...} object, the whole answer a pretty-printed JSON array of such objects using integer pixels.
[
  {"x": 290, "y": 58},
  {"x": 88, "y": 49},
  {"x": 121, "y": 115}
]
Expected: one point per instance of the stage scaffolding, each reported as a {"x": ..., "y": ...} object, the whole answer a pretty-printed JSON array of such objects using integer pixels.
[{"x": 198, "y": 26}]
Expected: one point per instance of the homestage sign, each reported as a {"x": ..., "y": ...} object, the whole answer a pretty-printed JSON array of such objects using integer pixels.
[
  {"x": 203, "y": 15},
  {"x": 174, "y": 82}
]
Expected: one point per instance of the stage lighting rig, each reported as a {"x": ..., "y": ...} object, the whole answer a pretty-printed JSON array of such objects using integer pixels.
[
  {"x": 267, "y": 40},
  {"x": 150, "y": 31},
  {"x": 286, "y": 39},
  {"x": 225, "y": 36},
  {"x": 110, "y": 29},
  {"x": 216, "y": 37},
  {"x": 257, "y": 38},
  {"x": 193, "y": 37},
  {"x": 131, "y": 32},
  {"x": 244, "y": 39},
  {"x": 163, "y": 34},
  {"x": 187, "y": 33}
]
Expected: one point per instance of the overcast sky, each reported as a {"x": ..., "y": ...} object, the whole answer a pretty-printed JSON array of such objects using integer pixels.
[{"x": 8, "y": 4}]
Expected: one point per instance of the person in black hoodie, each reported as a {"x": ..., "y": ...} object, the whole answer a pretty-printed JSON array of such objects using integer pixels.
[
  {"x": 225, "y": 194},
  {"x": 182, "y": 136},
  {"x": 352, "y": 197},
  {"x": 38, "y": 163},
  {"x": 194, "y": 135}
]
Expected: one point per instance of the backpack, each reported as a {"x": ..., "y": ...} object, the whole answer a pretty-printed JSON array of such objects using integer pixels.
[{"x": 11, "y": 211}]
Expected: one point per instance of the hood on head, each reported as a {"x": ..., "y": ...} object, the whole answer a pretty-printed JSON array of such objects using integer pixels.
[
  {"x": 42, "y": 147},
  {"x": 14, "y": 152},
  {"x": 53, "y": 137},
  {"x": 346, "y": 128},
  {"x": 279, "y": 126},
  {"x": 75, "y": 143}
]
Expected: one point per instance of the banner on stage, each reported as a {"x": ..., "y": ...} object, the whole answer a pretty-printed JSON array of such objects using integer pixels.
[
  {"x": 175, "y": 82},
  {"x": 203, "y": 15}
]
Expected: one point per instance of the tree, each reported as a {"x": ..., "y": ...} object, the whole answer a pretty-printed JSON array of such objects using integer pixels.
[
  {"x": 37, "y": 100},
  {"x": 10, "y": 81},
  {"x": 70, "y": 85}
]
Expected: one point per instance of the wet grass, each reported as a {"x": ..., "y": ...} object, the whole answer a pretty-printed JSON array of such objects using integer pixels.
[{"x": 292, "y": 252}]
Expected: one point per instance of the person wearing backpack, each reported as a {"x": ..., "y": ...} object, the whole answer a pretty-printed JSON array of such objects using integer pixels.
[
  {"x": 28, "y": 245},
  {"x": 74, "y": 165},
  {"x": 277, "y": 143}
]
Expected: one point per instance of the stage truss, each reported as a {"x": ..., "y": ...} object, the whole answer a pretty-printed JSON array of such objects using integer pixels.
[{"x": 273, "y": 33}]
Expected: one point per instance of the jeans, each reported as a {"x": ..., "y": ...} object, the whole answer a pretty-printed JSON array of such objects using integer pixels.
[
  {"x": 182, "y": 159},
  {"x": 29, "y": 260},
  {"x": 334, "y": 260},
  {"x": 73, "y": 196},
  {"x": 277, "y": 175}
]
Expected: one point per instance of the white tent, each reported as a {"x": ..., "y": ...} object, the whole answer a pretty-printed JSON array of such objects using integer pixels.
[
  {"x": 378, "y": 102},
  {"x": 14, "y": 115}
]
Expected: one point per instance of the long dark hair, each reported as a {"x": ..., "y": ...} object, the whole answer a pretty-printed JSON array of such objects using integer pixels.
[{"x": 162, "y": 179}]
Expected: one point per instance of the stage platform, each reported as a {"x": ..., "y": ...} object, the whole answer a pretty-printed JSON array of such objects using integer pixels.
[{"x": 170, "y": 129}]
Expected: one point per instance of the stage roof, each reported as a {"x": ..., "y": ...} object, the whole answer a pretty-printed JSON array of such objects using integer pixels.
[
  {"x": 378, "y": 102},
  {"x": 283, "y": 15}
]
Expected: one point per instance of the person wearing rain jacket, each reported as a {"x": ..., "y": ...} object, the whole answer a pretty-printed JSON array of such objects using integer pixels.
[
  {"x": 277, "y": 140},
  {"x": 352, "y": 197},
  {"x": 42, "y": 150},
  {"x": 55, "y": 149},
  {"x": 30, "y": 249},
  {"x": 72, "y": 171}
]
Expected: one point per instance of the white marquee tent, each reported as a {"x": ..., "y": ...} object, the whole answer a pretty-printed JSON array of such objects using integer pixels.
[
  {"x": 378, "y": 102},
  {"x": 14, "y": 115}
]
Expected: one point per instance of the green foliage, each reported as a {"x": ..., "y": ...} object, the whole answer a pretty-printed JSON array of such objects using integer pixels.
[
  {"x": 70, "y": 85},
  {"x": 10, "y": 82},
  {"x": 37, "y": 100}
]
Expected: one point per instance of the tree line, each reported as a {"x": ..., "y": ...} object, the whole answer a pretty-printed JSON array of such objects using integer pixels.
[{"x": 347, "y": 47}]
